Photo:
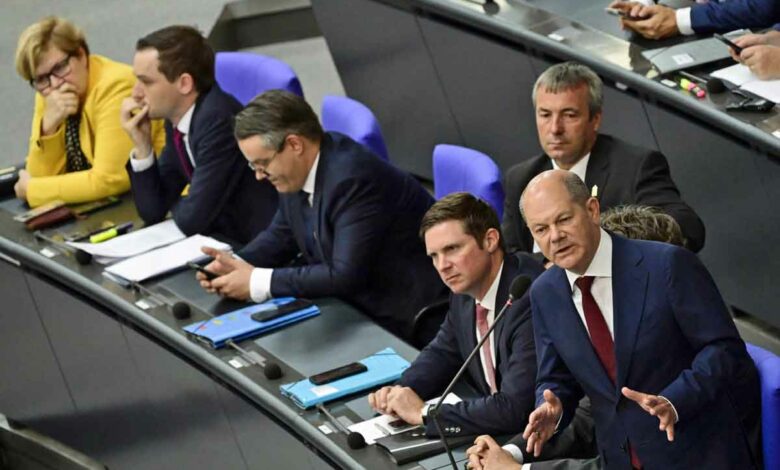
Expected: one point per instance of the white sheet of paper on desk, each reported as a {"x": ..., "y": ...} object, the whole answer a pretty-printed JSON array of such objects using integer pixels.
[
  {"x": 135, "y": 242},
  {"x": 165, "y": 259},
  {"x": 379, "y": 426},
  {"x": 736, "y": 74},
  {"x": 767, "y": 89}
]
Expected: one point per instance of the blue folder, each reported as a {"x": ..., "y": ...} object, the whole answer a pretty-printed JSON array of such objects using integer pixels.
[
  {"x": 238, "y": 324},
  {"x": 383, "y": 367}
]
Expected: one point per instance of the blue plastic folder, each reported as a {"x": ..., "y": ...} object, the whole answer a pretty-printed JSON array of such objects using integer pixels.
[
  {"x": 383, "y": 367},
  {"x": 238, "y": 324}
]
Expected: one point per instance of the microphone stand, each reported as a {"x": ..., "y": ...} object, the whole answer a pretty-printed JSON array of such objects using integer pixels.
[{"x": 433, "y": 412}]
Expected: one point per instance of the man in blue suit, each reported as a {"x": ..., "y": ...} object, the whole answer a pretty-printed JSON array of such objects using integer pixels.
[
  {"x": 352, "y": 216},
  {"x": 640, "y": 328},
  {"x": 175, "y": 71},
  {"x": 463, "y": 238},
  {"x": 715, "y": 16}
]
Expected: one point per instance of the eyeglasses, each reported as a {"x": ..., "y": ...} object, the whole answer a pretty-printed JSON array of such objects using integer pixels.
[
  {"x": 60, "y": 70},
  {"x": 261, "y": 165}
]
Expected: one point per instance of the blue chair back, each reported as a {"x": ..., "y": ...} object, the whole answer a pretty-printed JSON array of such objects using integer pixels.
[
  {"x": 768, "y": 365},
  {"x": 353, "y": 119},
  {"x": 462, "y": 169},
  {"x": 246, "y": 75}
]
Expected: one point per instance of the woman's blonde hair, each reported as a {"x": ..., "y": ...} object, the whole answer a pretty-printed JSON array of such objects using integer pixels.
[{"x": 40, "y": 36}]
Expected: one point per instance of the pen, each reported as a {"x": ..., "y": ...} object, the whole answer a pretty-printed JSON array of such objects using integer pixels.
[
  {"x": 81, "y": 236},
  {"x": 111, "y": 233}
]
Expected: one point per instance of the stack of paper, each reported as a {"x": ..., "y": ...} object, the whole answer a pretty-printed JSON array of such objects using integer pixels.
[
  {"x": 741, "y": 76},
  {"x": 133, "y": 243},
  {"x": 163, "y": 260}
]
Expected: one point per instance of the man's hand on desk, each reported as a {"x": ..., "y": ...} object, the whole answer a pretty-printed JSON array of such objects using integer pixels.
[
  {"x": 398, "y": 401},
  {"x": 234, "y": 274},
  {"x": 21, "y": 186},
  {"x": 650, "y": 21},
  {"x": 486, "y": 454},
  {"x": 763, "y": 61}
]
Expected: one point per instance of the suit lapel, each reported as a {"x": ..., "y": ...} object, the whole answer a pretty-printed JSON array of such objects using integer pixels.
[
  {"x": 629, "y": 289},
  {"x": 597, "y": 172}
]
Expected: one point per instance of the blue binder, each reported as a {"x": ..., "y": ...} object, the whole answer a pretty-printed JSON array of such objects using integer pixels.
[
  {"x": 383, "y": 367},
  {"x": 238, "y": 324}
]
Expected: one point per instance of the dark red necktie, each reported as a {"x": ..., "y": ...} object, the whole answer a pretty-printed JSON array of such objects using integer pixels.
[
  {"x": 601, "y": 339},
  {"x": 178, "y": 142}
]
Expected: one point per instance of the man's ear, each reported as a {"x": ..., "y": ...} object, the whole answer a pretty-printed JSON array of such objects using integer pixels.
[
  {"x": 596, "y": 121},
  {"x": 491, "y": 240},
  {"x": 185, "y": 84},
  {"x": 295, "y": 142},
  {"x": 594, "y": 210}
]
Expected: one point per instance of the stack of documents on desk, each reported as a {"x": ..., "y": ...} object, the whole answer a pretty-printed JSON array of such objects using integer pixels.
[
  {"x": 133, "y": 243},
  {"x": 238, "y": 324},
  {"x": 165, "y": 259},
  {"x": 383, "y": 367},
  {"x": 741, "y": 76},
  {"x": 387, "y": 425}
]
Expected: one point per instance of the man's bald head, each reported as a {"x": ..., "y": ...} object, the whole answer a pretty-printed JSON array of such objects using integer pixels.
[{"x": 563, "y": 218}]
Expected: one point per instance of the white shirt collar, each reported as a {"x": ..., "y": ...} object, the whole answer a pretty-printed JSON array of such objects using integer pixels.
[
  {"x": 600, "y": 265},
  {"x": 311, "y": 178},
  {"x": 184, "y": 123},
  {"x": 579, "y": 168},
  {"x": 489, "y": 300}
]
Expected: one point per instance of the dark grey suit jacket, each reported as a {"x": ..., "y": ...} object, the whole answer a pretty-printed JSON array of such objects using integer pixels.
[{"x": 624, "y": 174}]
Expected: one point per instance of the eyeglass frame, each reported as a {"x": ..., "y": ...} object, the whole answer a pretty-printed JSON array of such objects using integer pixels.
[
  {"x": 63, "y": 64},
  {"x": 261, "y": 166}
]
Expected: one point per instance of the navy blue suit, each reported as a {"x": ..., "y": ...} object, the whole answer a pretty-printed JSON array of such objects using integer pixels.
[
  {"x": 506, "y": 411},
  {"x": 363, "y": 245},
  {"x": 714, "y": 17},
  {"x": 224, "y": 197},
  {"x": 673, "y": 337}
]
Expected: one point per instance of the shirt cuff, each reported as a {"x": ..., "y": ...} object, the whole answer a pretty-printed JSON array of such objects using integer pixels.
[
  {"x": 646, "y": 2},
  {"x": 676, "y": 416},
  {"x": 684, "y": 21},
  {"x": 260, "y": 284},
  {"x": 515, "y": 451},
  {"x": 139, "y": 165}
]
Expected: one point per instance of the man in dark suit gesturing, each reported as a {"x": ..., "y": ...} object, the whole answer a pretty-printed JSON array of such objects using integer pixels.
[
  {"x": 175, "y": 71},
  {"x": 568, "y": 99},
  {"x": 352, "y": 216},
  {"x": 463, "y": 238},
  {"x": 640, "y": 328}
]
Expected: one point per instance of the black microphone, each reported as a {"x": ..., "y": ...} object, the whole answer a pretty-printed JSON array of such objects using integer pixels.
[
  {"x": 82, "y": 257},
  {"x": 520, "y": 285},
  {"x": 355, "y": 440}
]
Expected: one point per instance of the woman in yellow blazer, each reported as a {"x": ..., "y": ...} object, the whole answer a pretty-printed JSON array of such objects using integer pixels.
[{"x": 78, "y": 149}]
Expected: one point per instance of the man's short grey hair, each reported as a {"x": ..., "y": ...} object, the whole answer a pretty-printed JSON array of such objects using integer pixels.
[
  {"x": 569, "y": 75},
  {"x": 274, "y": 115},
  {"x": 574, "y": 186}
]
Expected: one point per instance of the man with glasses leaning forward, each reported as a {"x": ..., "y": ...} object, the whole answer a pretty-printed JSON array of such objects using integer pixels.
[{"x": 352, "y": 217}]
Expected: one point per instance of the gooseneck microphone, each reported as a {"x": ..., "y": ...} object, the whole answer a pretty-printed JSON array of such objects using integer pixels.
[
  {"x": 519, "y": 286},
  {"x": 82, "y": 257},
  {"x": 355, "y": 440}
]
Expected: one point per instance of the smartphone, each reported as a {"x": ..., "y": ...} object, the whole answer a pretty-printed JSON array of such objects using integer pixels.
[
  {"x": 281, "y": 310},
  {"x": 210, "y": 275},
  {"x": 620, "y": 13},
  {"x": 338, "y": 373},
  {"x": 728, "y": 42}
]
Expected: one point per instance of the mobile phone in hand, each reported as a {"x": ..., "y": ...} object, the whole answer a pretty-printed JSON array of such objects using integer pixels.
[
  {"x": 728, "y": 42},
  {"x": 621, "y": 13},
  {"x": 210, "y": 275}
]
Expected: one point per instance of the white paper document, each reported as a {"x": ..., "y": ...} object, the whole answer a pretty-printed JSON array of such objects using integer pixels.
[
  {"x": 135, "y": 242},
  {"x": 165, "y": 259},
  {"x": 741, "y": 76},
  {"x": 374, "y": 428}
]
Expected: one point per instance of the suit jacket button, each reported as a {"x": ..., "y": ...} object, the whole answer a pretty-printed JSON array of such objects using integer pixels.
[{"x": 457, "y": 429}]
